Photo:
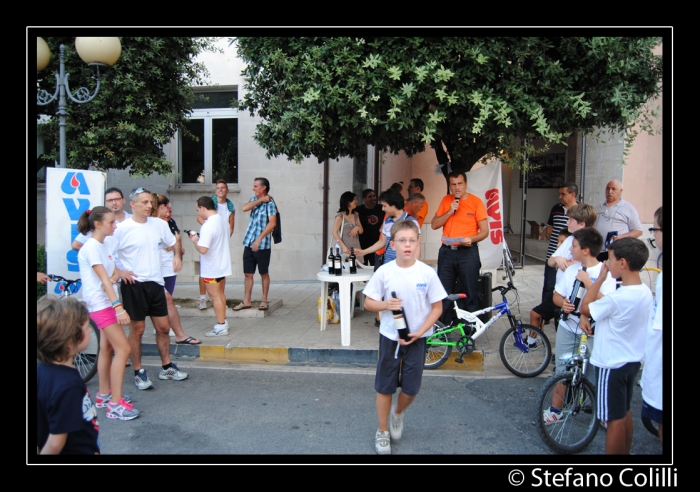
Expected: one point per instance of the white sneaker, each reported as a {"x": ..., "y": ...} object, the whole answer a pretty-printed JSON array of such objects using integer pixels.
[
  {"x": 219, "y": 330},
  {"x": 396, "y": 424},
  {"x": 382, "y": 442},
  {"x": 202, "y": 304}
]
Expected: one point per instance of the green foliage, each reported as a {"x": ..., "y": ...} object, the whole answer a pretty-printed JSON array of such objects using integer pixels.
[
  {"x": 144, "y": 98},
  {"x": 330, "y": 97},
  {"x": 40, "y": 267}
]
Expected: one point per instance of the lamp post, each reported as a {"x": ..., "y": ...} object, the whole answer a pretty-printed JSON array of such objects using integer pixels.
[{"x": 97, "y": 53}]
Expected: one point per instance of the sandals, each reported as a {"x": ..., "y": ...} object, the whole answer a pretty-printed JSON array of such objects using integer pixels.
[
  {"x": 263, "y": 306},
  {"x": 189, "y": 341},
  {"x": 240, "y": 306}
]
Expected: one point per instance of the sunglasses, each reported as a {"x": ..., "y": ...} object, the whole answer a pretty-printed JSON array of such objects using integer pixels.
[
  {"x": 136, "y": 192},
  {"x": 652, "y": 230}
]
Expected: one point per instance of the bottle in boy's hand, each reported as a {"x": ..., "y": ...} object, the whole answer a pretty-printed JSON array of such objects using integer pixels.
[
  {"x": 400, "y": 321},
  {"x": 189, "y": 233},
  {"x": 576, "y": 296}
]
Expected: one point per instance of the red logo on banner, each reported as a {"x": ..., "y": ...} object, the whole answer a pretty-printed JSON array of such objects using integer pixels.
[{"x": 493, "y": 209}]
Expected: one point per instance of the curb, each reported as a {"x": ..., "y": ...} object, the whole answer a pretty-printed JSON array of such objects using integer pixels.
[{"x": 473, "y": 362}]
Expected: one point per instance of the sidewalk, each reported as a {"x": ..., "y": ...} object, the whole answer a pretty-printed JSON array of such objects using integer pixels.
[{"x": 291, "y": 333}]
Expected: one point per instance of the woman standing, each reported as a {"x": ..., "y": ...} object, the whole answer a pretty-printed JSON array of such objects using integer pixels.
[
  {"x": 347, "y": 227},
  {"x": 171, "y": 263},
  {"x": 99, "y": 274}
]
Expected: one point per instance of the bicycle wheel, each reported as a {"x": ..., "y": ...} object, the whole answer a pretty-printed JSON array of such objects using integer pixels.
[
  {"x": 651, "y": 426},
  {"x": 521, "y": 360},
  {"x": 437, "y": 355},
  {"x": 578, "y": 424},
  {"x": 86, "y": 361}
]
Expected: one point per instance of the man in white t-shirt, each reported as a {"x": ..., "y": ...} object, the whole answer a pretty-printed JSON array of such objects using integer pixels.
[
  {"x": 114, "y": 200},
  {"x": 215, "y": 260},
  {"x": 139, "y": 243}
]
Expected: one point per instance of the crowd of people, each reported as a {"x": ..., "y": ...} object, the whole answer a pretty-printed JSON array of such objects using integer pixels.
[{"x": 143, "y": 254}]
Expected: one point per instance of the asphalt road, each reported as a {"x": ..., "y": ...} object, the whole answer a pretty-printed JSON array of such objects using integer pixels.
[{"x": 319, "y": 414}]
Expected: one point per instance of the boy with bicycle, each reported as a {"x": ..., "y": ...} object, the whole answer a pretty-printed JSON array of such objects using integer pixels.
[
  {"x": 419, "y": 293},
  {"x": 621, "y": 319}
]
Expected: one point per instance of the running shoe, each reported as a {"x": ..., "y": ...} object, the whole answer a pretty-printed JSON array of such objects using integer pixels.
[
  {"x": 382, "y": 442},
  {"x": 173, "y": 372},
  {"x": 396, "y": 424},
  {"x": 141, "y": 380},
  {"x": 219, "y": 330},
  {"x": 102, "y": 399},
  {"x": 202, "y": 304},
  {"x": 122, "y": 410},
  {"x": 551, "y": 417}
]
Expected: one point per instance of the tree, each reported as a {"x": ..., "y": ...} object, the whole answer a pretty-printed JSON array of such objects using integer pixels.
[
  {"x": 465, "y": 97},
  {"x": 145, "y": 97}
]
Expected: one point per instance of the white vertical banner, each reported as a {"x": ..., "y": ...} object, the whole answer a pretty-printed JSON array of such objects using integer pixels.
[
  {"x": 69, "y": 193},
  {"x": 486, "y": 183}
]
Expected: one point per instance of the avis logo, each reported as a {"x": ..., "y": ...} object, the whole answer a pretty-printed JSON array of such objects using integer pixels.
[
  {"x": 493, "y": 209},
  {"x": 74, "y": 181}
]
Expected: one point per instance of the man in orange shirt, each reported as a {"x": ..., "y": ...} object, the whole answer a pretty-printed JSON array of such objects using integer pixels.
[
  {"x": 464, "y": 223},
  {"x": 417, "y": 207},
  {"x": 416, "y": 186}
]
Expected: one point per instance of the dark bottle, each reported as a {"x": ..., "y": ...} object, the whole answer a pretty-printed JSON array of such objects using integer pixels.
[
  {"x": 338, "y": 263},
  {"x": 576, "y": 296},
  {"x": 331, "y": 261},
  {"x": 189, "y": 233},
  {"x": 400, "y": 321},
  {"x": 353, "y": 261}
]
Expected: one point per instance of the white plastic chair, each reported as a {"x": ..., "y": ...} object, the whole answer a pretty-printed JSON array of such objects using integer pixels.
[{"x": 358, "y": 287}]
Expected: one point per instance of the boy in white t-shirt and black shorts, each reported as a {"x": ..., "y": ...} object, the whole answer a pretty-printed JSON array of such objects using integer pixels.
[
  {"x": 420, "y": 293},
  {"x": 621, "y": 320}
]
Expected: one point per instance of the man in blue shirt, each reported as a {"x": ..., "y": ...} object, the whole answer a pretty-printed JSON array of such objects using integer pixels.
[{"x": 258, "y": 241}]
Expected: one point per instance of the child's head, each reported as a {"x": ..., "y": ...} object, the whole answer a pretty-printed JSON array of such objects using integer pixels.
[
  {"x": 587, "y": 242},
  {"x": 658, "y": 226},
  {"x": 404, "y": 225},
  {"x": 563, "y": 234},
  {"x": 59, "y": 328},
  {"x": 86, "y": 222},
  {"x": 581, "y": 215},
  {"x": 632, "y": 250}
]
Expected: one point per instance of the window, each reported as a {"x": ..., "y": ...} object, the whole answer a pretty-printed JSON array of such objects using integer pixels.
[{"x": 213, "y": 154}]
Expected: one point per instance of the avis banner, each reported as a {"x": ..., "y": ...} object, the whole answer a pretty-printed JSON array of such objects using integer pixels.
[
  {"x": 485, "y": 183},
  {"x": 69, "y": 193}
]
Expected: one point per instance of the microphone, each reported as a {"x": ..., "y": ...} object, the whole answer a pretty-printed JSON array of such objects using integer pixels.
[{"x": 456, "y": 200}]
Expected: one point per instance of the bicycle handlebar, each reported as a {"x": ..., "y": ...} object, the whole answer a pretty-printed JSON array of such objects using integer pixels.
[{"x": 58, "y": 278}]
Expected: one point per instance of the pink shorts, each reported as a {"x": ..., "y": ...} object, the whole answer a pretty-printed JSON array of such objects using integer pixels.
[{"x": 104, "y": 317}]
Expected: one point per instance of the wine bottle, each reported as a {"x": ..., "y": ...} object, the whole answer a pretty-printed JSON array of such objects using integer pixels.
[
  {"x": 338, "y": 263},
  {"x": 353, "y": 261},
  {"x": 400, "y": 321},
  {"x": 576, "y": 296},
  {"x": 331, "y": 261}
]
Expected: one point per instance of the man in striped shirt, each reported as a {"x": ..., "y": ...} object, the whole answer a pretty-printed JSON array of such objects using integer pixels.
[{"x": 557, "y": 219}]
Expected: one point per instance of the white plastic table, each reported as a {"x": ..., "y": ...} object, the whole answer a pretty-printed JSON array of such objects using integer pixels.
[{"x": 345, "y": 282}]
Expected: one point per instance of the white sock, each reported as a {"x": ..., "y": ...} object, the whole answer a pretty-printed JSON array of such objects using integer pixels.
[
  {"x": 530, "y": 340},
  {"x": 203, "y": 297}
]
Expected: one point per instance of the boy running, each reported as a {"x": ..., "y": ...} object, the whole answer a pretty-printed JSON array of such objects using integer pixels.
[
  {"x": 621, "y": 320},
  {"x": 419, "y": 292}
]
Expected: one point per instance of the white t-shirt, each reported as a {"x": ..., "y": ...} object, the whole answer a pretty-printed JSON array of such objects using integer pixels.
[
  {"x": 565, "y": 285},
  {"x": 140, "y": 245},
  {"x": 166, "y": 257},
  {"x": 95, "y": 253},
  {"x": 214, "y": 235},
  {"x": 652, "y": 375},
  {"x": 621, "y": 320},
  {"x": 565, "y": 252},
  {"x": 418, "y": 286},
  {"x": 82, "y": 238}
]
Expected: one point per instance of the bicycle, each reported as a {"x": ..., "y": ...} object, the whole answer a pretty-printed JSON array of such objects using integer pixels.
[
  {"x": 518, "y": 357},
  {"x": 577, "y": 424},
  {"x": 86, "y": 361},
  {"x": 508, "y": 266}
]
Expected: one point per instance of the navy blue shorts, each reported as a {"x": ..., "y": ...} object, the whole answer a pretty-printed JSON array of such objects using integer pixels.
[
  {"x": 170, "y": 283},
  {"x": 652, "y": 413},
  {"x": 259, "y": 258},
  {"x": 615, "y": 390},
  {"x": 409, "y": 362}
]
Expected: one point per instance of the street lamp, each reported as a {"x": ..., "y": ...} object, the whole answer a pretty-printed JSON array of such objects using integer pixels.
[{"x": 97, "y": 53}]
